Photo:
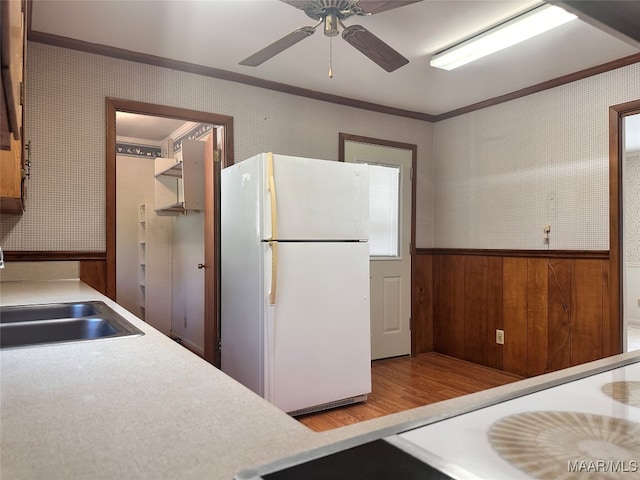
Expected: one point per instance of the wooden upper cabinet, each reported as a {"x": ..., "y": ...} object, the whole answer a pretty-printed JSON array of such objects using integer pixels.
[{"x": 12, "y": 56}]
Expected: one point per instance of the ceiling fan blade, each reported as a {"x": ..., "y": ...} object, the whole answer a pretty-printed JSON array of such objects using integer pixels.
[
  {"x": 373, "y": 47},
  {"x": 377, "y": 6},
  {"x": 278, "y": 46}
]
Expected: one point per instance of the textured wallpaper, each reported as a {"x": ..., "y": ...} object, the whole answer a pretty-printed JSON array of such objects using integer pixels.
[
  {"x": 65, "y": 122},
  {"x": 502, "y": 173},
  {"x": 488, "y": 179}
]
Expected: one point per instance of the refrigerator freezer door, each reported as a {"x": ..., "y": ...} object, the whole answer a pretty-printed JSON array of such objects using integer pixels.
[
  {"x": 316, "y": 199},
  {"x": 317, "y": 336}
]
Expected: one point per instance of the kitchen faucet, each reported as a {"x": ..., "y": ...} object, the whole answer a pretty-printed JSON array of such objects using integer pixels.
[{"x": 1, "y": 259}]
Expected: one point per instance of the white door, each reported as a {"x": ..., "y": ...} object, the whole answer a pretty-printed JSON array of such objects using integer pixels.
[
  {"x": 389, "y": 242},
  {"x": 187, "y": 319}
]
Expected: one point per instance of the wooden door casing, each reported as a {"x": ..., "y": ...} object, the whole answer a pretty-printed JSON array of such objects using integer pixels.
[{"x": 224, "y": 157}]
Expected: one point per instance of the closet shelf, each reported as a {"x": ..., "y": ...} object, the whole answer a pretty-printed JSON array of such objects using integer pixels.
[
  {"x": 173, "y": 170},
  {"x": 172, "y": 209},
  {"x": 179, "y": 183}
]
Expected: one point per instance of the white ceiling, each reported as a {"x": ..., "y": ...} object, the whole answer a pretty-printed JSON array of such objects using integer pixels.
[
  {"x": 219, "y": 34},
  {"x": 146, "y": 127}
]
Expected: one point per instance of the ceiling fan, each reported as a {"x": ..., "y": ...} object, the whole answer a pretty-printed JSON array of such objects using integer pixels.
[{"x": 330, "y": 13}]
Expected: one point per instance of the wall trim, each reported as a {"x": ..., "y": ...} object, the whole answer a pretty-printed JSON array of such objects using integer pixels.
[
  {"x": 51, "y": 255},
  {"x": 549, "y": 84},
  {"x": 122, "y": 54},
  {"x": 593, "y": 254},
  {"x": 129, "y": 149}
]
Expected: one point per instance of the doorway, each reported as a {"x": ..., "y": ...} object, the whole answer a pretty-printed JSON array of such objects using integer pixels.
[
  {"x": 620, "y": 303},
  {"x": 160, "y": 249},
  {"x": 222, "y": 145},
  {"x": 631, "y": 228},
  {"x": 392, "y": 186}
]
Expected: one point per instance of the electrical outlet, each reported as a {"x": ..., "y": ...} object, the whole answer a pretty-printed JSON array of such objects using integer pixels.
[
  {"x": 639, "y": 303},
  {"x": 500, "y": 337}
]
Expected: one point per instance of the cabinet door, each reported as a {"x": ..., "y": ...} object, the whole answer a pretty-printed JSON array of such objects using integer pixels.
[
  {"x": 12, "y": 54},
  {"x": 193, "y": 174},
  {"x": 11, "y": 178},
  {"x": 12, "y": 41}
]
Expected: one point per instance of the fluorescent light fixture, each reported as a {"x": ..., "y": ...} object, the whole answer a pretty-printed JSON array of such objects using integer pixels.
[{"x": 513, "y": 31}]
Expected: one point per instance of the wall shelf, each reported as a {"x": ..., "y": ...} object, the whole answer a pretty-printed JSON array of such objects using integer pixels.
[
  {"x": 174, "y": 169},
  {"x": 179, "y": 185}
]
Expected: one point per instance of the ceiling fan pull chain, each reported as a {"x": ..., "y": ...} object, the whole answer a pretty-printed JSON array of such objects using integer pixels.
[{"x": 330, "y": 57}]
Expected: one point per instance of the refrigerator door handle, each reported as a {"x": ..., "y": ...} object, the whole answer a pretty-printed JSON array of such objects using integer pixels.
[
  {"x": 274, "y": 272},
  {"x": 274, "y": 231},
  {"x": 271, "y": 186}
]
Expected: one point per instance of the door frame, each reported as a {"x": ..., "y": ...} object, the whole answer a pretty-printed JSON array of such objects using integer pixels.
[
  {"x": 224, "y": 144},
  {"x": 344, "y": 137},
  {"x": 616, "y": 232}
]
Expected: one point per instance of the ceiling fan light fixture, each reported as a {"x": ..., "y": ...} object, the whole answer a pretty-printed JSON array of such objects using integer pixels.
[
  {"x": 522, "y": 27},
  {"x": 331, "y": 25}
]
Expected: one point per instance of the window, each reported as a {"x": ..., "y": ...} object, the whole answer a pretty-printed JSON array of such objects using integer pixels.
[{"x": 384, "y": 210}]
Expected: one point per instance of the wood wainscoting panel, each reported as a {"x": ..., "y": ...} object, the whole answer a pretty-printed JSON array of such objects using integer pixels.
[
  {"x": 94, "y": 274},
  {"x": 537, "y": 315},
  {"x": 554, "y": 310},
  {"x": 515, "y": 280},
  {"x": 476, "y": 313},
  {"x": 611, "y": 326},
  {"x": 92, "y": 266},
  {"x": 448, "y": 305},
  {"x": 587, "y": 311},
  {"x": 559, "y": 314},
  {"x": 495, "y": 317},
  {"x": 422, "y": 304}
]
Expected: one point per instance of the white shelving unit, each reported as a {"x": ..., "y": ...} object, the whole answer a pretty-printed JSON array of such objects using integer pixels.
[
  {"x": 154, "y": 268},
  {"x": 143, "y": 221},
  {"x": 180, "y": 182}
]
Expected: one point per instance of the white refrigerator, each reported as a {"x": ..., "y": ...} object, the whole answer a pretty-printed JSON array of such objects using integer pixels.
[{"x": 295, "y": 280}]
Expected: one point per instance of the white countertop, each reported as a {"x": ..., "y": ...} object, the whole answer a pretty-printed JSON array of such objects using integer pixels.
[
  {"x": 144, "y": 407},
  {"x": 133, "y": 407}
]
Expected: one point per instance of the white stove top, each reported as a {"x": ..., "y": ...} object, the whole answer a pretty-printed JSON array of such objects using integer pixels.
[{"x": 587, "y": 426}]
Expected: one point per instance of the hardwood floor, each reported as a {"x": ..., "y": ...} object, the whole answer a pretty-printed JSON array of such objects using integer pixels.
[{"x": 402, "y": 383}]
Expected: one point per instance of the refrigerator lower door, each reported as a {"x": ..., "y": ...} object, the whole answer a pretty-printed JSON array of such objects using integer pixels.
[{"x": 317, "y": 332}]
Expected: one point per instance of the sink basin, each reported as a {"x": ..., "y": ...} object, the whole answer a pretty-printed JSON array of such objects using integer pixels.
[
  {"x": 29, "y": 325},
  {"x": 50, "y": 311}
]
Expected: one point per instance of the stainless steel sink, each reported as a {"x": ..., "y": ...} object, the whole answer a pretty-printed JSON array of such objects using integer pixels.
[
  {"x": 29, "y": 325},
  {"x": 49, "y": 311}
]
